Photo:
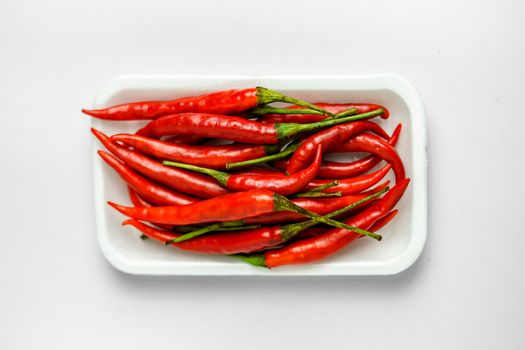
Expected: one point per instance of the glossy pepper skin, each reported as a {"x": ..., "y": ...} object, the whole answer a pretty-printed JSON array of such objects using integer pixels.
[
  {"x": 138, "y": 201},
  {"x": 232, "y": 206},
  {"x": 312, "y": 118},
  {"x": 338, "y": 170},
  {"x": 211, "y": 126},
  {"x": 352, "y": 185},
  {"x": 321, "y": 206},
  {"x": 238, "y": 129},
  {"x": 278, "y": 183},
  {"x": 222, "y": 102},
  {"x": 181, "y": 180},
  {"x": 153, "y": 192},
  {"x": 371, "y": 143},
  {"x": 185, "y": 139},
  {"x": 329, "y": 139},
  {"x": 213, "y": 157},
  {"x": 326, "y": 244}
]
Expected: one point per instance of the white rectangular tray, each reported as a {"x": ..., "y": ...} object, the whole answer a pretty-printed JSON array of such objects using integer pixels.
[{"x": 403, "y": 238}]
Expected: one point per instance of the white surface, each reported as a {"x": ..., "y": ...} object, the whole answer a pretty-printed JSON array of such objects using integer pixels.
[
  {"x": 465, "y": 58},
  {"x": 406, "y": 235}
]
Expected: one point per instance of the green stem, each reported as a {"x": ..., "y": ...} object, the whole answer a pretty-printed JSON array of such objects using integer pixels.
[
  {"x": 265, "y": 96},
  {"x": 348, "y": 112},
  {"x": 184, "y": 229},
  {"x": 240, "y": 228},
  {"x": 324, "y": 187},
  {"x": 317, "y": 191},
  {"x": 318, "y": 194},
  {"x": 230, "y": 225},
  {"x": 287, "y": 131},
  {"x": 252, "y": 259},
  {"x": 220, "y": 176},
  {"x": 283, "y": 154},
  {"x": 291, "y": 230},
  {"x": 281, "y": 203},
  {"x": 262, "y": 110}
]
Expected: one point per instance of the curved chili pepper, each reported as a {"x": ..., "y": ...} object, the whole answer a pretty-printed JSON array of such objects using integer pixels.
[
  {"x": 321, "y": 206},
  {"x": 336, "y": 170},
  {"x": 282, "y": 184},
  {"x": 370, "y": 143},
  {"x": 321, "y": 246},
  {"x": 184, "y": 181},
  {"x": 335, "y": 108},
  {"x": 352, "y": 185},
  {"x": 329, "y": 138},
  {"x": 239, "y": 241},
  {"x": 207, "y": 156},
  {"x": 238, "y": 129},
  {"x": 221, "y": 102},
  {"x": 155, "y": 193}
]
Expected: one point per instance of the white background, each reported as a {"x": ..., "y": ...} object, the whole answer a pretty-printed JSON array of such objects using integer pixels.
[{"x": 465, "y": 58}]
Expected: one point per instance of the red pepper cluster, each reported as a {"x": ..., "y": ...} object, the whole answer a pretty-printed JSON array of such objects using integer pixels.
[{"x": 268, "y": 197}]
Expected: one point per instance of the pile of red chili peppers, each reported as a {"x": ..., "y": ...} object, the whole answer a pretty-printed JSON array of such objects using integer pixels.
[{"x": 268, "y": 197}]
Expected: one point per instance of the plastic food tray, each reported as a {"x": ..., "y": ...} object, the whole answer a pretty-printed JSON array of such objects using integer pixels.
[{"x": 403, "y": 238}]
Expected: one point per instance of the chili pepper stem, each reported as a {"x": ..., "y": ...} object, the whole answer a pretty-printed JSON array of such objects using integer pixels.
[
  {"x": 325, "y": 186},
  {"x": 286, "y": 131},
  {"x": 220, "y": 176},
  {"x": 232, "y": 225},
  {"x": 311, "y": 194},
  {"x": 265, "y": 96},
  {"x": 283, "y": 154},
  {"x": 282, "y": 203},
  {"x": 274, "y": 110},
  {"x": 291, "y": 230},
  {"x": 252, "y": 259}
]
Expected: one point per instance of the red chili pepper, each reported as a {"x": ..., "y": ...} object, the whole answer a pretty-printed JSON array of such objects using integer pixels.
[
  {"x": 184, "y": 139},
  {"x": 354, "y": 184},
  {"x": 222, "y": 102},
  {"x": 329, "y": 138},
  {"x": 155, "y": 193},
  {"x": 138, "y": 201},
  {"x": 382, "y": 222},
  {"x": 239, "y": 241},
  {"x": 207, "y": 156},
  {"x": 258, "y": 171},
  {"x": 312, "y": 118},
  {"x": 232, "y": 206},
  {"x": 184, "y": 181},
  {"x": 321, "y": 206},
  {"x": 282, "y": 184},
  {"x": 238, "y": 129},
  {"x": 337, "y": 170},
  {"x": 319, "y": 247},
  {"x": 371, "y": 143}
]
